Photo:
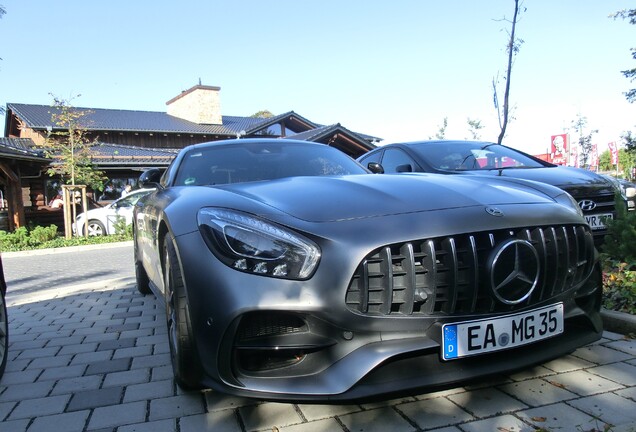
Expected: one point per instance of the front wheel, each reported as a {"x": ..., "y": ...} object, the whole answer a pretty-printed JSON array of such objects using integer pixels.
[
  {"x": 96, "y": 228},
  {"x": 185, "y": 362},
  {"x": 143, "y": 282}
]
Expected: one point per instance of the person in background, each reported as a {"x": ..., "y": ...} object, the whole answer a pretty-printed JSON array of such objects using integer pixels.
[
  {"x": 126, "y": 190},
  {"x": 57, "y": 202}
]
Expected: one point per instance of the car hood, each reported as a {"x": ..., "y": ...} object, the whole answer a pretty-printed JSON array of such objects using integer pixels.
[
  {"x": 578, "y": 182},
  {"x": 327, "y": 199}
]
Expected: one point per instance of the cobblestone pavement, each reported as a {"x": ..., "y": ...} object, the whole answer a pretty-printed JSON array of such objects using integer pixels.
[{"x": 88, "y": 353}]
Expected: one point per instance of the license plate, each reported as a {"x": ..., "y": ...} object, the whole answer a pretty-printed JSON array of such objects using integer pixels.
[
  {"x": 487, "y": 335},
  {"x": 597, "y": 221}
]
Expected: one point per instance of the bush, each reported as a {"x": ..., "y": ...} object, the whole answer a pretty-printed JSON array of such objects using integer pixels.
[
  {"x": 47, "y": 237},
  {"x": 619, "y": 286},
  {"x": 620, "y": 241}
]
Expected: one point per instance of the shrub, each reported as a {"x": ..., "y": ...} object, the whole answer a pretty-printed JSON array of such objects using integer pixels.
[
  {"x": 620, "y": 241},
  {"x": 619, "y": 286}
]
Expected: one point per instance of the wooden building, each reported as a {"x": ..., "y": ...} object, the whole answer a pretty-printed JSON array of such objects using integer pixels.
[{"x": 131, "y": 141}]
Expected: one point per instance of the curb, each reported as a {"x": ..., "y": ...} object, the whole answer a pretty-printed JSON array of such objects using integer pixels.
[
  {"x": 618, "y": 322},
  {"x": 65, "y": 249}
]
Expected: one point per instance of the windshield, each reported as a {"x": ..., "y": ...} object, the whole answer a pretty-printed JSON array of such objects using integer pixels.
[
  {"x": 258, "y": 161},
  {"x": 472, "y": 156}
]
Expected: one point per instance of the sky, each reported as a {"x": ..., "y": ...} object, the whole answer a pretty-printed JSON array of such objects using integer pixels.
[{"x": 391, "y": 69}]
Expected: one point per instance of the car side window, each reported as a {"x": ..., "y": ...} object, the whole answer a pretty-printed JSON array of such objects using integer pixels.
[
  {"x": 395, "y": 158},
  {"x": 370, "y": 158}
]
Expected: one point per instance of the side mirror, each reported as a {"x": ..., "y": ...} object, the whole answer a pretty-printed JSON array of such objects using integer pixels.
[
  {"x": 404, "y": 168},
  {"x": 150, "y": 178},
  {"x": 375, "y": 168}
]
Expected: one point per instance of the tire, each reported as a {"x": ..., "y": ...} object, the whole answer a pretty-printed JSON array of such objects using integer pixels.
[
  {"x": 185, "y": 362},
  {"x": 4, "y": 334},
  {"x": 143, "y": 282},
  {"x": 95, "y": 228}
]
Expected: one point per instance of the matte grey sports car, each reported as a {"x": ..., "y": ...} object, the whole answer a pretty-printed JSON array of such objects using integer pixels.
[{"x": 289, "y": 272}]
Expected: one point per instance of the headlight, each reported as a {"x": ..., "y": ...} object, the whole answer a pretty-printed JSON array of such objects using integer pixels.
[
  {"x": 253, "y": 245},
  {"x": 566, "y": 200}
]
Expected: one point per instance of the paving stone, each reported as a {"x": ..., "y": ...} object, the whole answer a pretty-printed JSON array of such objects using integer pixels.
[
  {"x": 132, "y": 352},
  {"x": 95, "y": 398},
  {"x": 67, "y": 422},
  {"x": 629, "y": 393},
  {"x": 161, "y": 373},
  {"x": 116, "y": 344},
  {"x": 101, "y": 337},
  {"x": 487, "y": 402},
  {"x": 136, "y": 376},
  {"x": 600, "y": 354},
  {"x": 560, "y": 417},
  {"x": 568, "y": 363},
  {"x": 215, "y": 401},
  {"x": 5, "y": 409},
  {"x": 611, "y": 408},
  {"x": 118, "y": 415},
  {"x": 127, "y": 314},
  {"x": 26, "y": 391},
  {"x": 154, "y": 426},
  {"x": 108, "y": 366},
  {"x": 625, "y": 345},
  {"x": 152, "y": 360},
  {"x": 377, "y": 420},
  {"x": 38, "y": 353},
  {"x": 154, "y": 390},
  {"x": 317, "y": 412},
  {"x": 27, "y": 344},
  {"x": 50, "y": 362},
  {"x": 14, "y": 426},
  {"x": 122, "y": 327},
  {"x": 77, "y": 339},
  {"x": 92, "y": 357},
  {"x": 79, "y": 348},
  {"x": 434, "y": 413},
  {"x": 29, "y": 408},
  {"x": 584, "y": 383},
  {"x": 621, "y": 373},
  {"x": 21, "y": 377},
  {"x": 268, "y": 416},
  {"x": 77, "y": 384},
  {"x": 508, "y": 423},
  {"x": 537, "y": 392},
  {"x": 225, "y": 421},
  {"x": 62, "y": 372},
  {"x": 176, "y": 406},
  {"x": 326, "y": 425}
]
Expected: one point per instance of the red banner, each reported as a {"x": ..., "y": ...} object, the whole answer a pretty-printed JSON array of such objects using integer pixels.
[{"x": 614, "y": 152}]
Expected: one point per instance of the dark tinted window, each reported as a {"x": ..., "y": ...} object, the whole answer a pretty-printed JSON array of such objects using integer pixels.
[
  {"x": 394, "y": 158},
  {"x": 256, "y": 161},
  {"x": 469, "y": 156}
]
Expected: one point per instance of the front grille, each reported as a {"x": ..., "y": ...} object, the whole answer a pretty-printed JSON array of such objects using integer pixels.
[
  {"x": 266, "y": 324},
  {"x": 451, "y": 275},
  {"x": 603, "y": 203}
]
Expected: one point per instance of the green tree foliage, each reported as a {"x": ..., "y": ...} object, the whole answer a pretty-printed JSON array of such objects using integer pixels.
[
  {"x": 584, "y": 140},
  {"x": 474, "y": 126},
  {"x": 441, "y": 131},
  {"x": 264, "y": 114},
  {"x": 630, "y": 15},
  {"x": 70, "y": 146},
  {"x": 626, "y": 160}
]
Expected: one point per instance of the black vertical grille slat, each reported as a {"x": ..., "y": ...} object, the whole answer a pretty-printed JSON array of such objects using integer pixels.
[{"x": 449, "y": 275}]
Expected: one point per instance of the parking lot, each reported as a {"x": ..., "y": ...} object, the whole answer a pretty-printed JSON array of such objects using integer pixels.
[{"x": 89, "y": 353}]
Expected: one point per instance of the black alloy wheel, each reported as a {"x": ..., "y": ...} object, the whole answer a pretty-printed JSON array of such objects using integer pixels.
[
  {"x": 143, "y": 282},
  {"x": 185, "y": 363}
]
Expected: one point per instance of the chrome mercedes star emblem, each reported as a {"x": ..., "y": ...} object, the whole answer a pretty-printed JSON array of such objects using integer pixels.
[
  {"x": 494, "y": 211},
  {"x": 514, "y": 271}
]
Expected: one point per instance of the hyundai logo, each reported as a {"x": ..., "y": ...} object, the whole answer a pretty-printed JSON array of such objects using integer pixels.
[
  {"x": 514, "y": 271},
  {"x": 587, "y": 205}
]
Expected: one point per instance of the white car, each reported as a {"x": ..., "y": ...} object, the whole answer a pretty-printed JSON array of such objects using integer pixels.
[{"x": 103, "y": 221}]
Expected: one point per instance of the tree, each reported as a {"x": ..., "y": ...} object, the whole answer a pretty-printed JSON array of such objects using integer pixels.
[
  {"x": 263, "y": 114},
  {"x": 441, "y": 131},
  {"x": 584, "y": 140},
  {"x": 474, "y": 126},
  {"x": 629, "y": 14},
  {"x": 2, "y": 12},
  {"x": 70, "y": 146},
  {"x": 512, "y": 49}
]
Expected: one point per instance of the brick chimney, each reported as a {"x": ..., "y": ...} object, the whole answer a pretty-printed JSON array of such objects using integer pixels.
[{"x": 200, "y": 104}]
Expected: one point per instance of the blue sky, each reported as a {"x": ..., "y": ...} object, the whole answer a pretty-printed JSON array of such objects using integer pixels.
[{"x": 393, "y": 69}]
